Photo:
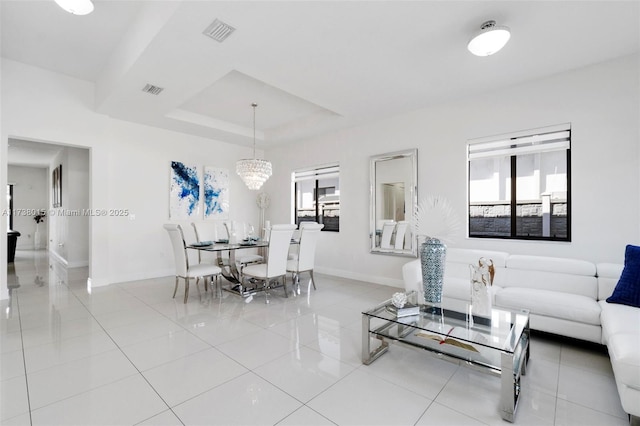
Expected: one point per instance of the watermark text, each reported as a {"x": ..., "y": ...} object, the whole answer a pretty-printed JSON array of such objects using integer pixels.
[{"x": 60, "y": 212}]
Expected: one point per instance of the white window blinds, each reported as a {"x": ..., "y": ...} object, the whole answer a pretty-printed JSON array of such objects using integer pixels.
[
  {"x": 553, "y": 138},
  {"x": 317, "y": 173}
]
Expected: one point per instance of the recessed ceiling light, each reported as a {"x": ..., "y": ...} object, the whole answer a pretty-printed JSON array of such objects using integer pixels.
[
  {"x": 76, "y": 7},
  {"x": 489, "y": 39}
]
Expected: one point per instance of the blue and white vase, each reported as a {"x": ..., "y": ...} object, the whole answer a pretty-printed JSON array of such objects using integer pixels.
[{"x": 433, "y": 254}]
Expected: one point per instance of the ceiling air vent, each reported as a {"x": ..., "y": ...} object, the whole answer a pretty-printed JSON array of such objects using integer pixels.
[
  {"x": 218, "y": 30},
  {"x": 150, "y": 88}
]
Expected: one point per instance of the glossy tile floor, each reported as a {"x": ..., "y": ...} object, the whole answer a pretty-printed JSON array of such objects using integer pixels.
[{"x": 129, "y": 354}]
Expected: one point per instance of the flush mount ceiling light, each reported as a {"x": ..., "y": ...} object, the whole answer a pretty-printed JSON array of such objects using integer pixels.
[
  {"x": 254, "y": 172},
  {"x": 489, "y": 39},
  {"x": 76, "y": 7}
]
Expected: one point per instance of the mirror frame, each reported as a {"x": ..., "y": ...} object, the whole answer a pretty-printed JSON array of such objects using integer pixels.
[{"x": 410, "y": 203}]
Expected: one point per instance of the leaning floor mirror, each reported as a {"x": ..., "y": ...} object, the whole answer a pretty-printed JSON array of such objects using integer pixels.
[{"x": 393, "y": 199}]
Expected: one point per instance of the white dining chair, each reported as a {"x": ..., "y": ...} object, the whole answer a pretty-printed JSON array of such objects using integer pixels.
[
  {"x": 306, "y": 255},
  {"x": 293, "y": 248},
  {"x": 183, "y": 269},
  {"x": 275, "y": 267},
  {"x": 208, "y": 231},
  {"x": 387, "y": 232},
  {"x": 239, "y": 229},
  {"x": 401, "y": 230}
]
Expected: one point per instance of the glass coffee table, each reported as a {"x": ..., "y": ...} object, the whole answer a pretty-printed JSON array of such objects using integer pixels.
[{"x": 497, "y": 344}]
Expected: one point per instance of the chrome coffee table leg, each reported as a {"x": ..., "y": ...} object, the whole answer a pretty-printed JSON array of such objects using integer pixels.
[{"x": 367, "y": 355}]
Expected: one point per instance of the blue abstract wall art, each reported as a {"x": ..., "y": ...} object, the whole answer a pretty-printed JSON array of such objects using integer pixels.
[
  {"x": 216, "y": 193},
  {"x": 184, "y": 192}
]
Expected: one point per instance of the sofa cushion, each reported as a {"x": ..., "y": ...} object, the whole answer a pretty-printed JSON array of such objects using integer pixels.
[
  {"x": 627, "y": 291},
  {"x": 458, "y": 261},
  {"x": 468, "y": 256},
  {"x": 459, "y": 288},
  {"x": 608, "y": 277},
  {"x": 554, "y": 304},
  {"x": 619, "y": 319},
  {"x": 625, "y": 358},
  {"x": 553, "y": 274},
  {"x": 412, "y": 275},
  {"x": 551, "y": 264}
]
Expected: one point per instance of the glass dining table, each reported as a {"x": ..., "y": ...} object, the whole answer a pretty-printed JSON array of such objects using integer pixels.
[{"x": 228, "y": 263}]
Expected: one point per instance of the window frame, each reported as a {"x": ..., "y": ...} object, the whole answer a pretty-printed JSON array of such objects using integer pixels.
[
  {"x": 316, "y": 174},
  {"x": 532, "y": 136}
]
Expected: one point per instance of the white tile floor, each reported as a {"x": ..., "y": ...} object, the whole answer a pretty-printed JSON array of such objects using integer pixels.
[{"x": 130, "y": 354}]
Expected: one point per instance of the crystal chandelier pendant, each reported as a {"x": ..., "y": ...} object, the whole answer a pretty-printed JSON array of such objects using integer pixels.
[{"x": 254, "y": 172}]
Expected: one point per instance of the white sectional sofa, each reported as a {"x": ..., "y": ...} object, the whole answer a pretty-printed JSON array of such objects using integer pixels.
[
  {"x": 564, "y": 296},
  {"x": 620, "y": 325}
]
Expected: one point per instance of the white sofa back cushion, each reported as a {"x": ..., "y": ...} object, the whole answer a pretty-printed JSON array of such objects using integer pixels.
[
  {"x": 458, "y": 261},
  {"x": 608, "y": 276},
  {"x": 552, "y": 273},
  {"x": 457, "y": 275}
]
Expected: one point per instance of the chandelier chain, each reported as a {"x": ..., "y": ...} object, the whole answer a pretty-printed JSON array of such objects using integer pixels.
[{"x": 254, "y": 105}]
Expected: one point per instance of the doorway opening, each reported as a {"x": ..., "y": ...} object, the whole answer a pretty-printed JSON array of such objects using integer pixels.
[{"x": 43, "y": 207}]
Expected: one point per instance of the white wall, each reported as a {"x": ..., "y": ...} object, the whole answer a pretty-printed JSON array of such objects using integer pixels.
[
  {"x": 130, "y": 166},
  {"x": 58, "y": 222},
  {"x": 129, "y": 169},
  {"x": 602, "y": 102},
  {"x": 77, "y": 177},
  {"x": 69, "y": 231},
  {"x": 29, "y": 194}
]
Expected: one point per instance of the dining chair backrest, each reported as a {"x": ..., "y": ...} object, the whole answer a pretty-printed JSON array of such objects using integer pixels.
[
  {"x": 242, "y": 230},
  {"x": 387, "y": 231},
  {"x": 307, "y": 223},
  {"x": 401, "y": 230},
  {"x": 408, "y": 237},
  {"x": 230, "y": 227},
  {"x": 307, "y": 250},
  {"x": 301, "y": 226},
  {"x": 179, "y": 248},
  {"x": 206, "y": 231},
  {"x": 279, "y": 241}
]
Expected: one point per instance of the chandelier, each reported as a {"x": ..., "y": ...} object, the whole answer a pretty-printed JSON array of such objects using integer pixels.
[{"x": 254, "y": 172}]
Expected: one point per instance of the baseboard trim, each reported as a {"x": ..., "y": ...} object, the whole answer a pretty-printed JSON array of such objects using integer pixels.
[
  {"x": 59, "y": 258},
  {"x": 390, "y": 282},
  {"x": 63, "y": 261},
  {"x": 78, "y": 264},
  {"x": 123, "y": 278}
]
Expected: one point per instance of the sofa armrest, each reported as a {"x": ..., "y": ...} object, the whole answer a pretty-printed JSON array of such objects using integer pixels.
[{"x": 412, "y": 276}]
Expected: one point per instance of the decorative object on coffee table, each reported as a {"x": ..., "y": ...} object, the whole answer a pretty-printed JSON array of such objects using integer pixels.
[
  {"x": 399, "y": 300},
  {"x": 401, "y": 307},
  {"x": 481, "y": 282},
  {"x": 436, "y": 221}
]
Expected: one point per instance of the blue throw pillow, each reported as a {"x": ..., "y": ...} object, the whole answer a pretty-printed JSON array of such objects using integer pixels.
[{"x": 627, "y": 291}]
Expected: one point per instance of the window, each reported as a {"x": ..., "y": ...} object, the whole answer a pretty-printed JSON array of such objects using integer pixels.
[
  {"x": 317, "y": 196},
  {"x": 519, "y": 185}
]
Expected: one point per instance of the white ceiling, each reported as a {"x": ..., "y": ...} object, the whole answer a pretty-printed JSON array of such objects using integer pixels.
[{"x": 312, "y": 67}]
